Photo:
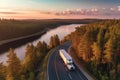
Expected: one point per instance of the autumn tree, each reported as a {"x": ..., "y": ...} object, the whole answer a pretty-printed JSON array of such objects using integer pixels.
[
  {"x": 98, "y": 44},
  {"x": 51, "y": 42},
  {"x": 83, "y": 47},
  {"x": 23, "y": 77},
  {"x": 9, "y": 77},
  {"x": 54, "y": 41},
  {"x": 31, "y": 76},
  {"x": 30, "y": 58},
  {"x": 2, "y": 71},
  {"x": 108, "y": 58},
  {"x": 42, "y": 49},
  {"x": 14, "y": 65}
]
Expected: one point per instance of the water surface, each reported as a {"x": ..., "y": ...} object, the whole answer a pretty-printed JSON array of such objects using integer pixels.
[{"x": 61, "y": 31}]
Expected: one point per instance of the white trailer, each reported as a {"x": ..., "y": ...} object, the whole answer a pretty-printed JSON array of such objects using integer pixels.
[{"x": 67, "y": 59}]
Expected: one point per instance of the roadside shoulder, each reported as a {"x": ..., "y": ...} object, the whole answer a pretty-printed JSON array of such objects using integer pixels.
[{"x": 76, "y": 61}]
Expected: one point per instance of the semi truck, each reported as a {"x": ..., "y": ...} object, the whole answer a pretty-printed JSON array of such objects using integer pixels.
[{"x": 67, "y": 59}]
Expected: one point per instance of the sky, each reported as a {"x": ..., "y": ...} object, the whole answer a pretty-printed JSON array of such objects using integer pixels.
[{"x": 59, "y": 9}]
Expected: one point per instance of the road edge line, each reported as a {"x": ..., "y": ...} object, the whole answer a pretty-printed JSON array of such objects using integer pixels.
[
  {"x": 48, "y": 62},
  {"x": 56, "y": 68}
]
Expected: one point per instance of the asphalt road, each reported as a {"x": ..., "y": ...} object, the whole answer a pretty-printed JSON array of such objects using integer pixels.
[{"x": 57, "y": 69}]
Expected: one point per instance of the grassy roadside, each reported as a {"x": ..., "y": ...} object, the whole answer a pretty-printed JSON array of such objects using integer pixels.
[
  {"x": 43, "y": 74},
  {"x": 75, "y": 57}
]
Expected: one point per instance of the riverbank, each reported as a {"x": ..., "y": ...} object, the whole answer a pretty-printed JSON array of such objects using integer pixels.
[
  {"x": 10, "y": 29},
  {"x": 16, "y": 42},
  {"x": 42, "y": 27}
]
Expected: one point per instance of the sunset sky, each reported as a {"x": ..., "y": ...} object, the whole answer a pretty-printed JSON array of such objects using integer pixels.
[{"x": 55, "y": 9}]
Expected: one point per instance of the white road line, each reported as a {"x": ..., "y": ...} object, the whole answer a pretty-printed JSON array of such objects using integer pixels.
[
  {"x": 70, "y": 76},
  {"x": 66, "y": 69},
  {"x": 48, "y": 66},
  {"x": 49, "y": 63},
  {"x": 56, "y": 68},
  {"x": 79, "y": 75}
]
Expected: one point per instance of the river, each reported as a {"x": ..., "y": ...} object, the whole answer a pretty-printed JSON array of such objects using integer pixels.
[{"x": 61, "y": 31}]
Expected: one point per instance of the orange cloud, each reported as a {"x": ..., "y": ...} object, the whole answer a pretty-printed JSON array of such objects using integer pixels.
[{"x": 69, "y": 13}]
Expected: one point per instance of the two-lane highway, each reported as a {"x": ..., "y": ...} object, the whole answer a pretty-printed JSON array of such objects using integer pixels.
[{"x": 57, "y": 70}]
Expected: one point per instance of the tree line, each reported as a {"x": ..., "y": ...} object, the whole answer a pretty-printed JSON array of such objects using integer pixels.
[
  {"x": 26, "y": 69},
  {"x": 12, "y": 28},
  {"x": 97, "y": 45}
]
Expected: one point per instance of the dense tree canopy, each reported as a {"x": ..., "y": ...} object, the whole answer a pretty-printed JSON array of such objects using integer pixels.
[
  {"x": 98, "y": 45},
  {"x": 26, "y": 69},
  {"x": 54, "y": 41},
  {"x": 14, "y": 65},
  {"x": 2, "y": 71}
]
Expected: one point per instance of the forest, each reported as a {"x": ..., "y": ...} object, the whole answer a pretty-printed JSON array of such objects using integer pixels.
[
  {"x": 27, "y": 68},
  {"x": 18, "y": 32},
  {"x": 19, "y": 28},
  {"x": 97, "y": 45}
]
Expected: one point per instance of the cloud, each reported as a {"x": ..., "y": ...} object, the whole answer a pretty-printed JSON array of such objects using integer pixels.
[
  {"x": 9, "y": 13},
  {"x": 94, "y": 10},
  {"x": 103, "y": 8},
  {"x": 79, "y": 11},
  {"x": 118, "y": 8},
  {"x": 112, "y": 9},
  {"x": 68, "y": 13}
]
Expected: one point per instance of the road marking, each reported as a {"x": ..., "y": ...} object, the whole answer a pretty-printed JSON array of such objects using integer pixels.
[
  {"x": 66, "y": 69},
  {"x": 56, "y": 68},
  {"x": 54, "y": 62},
  {"x": 79, "y": 75},
  {"x": 48, "y": 64},
  {"x": 70, "y": 76}
]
